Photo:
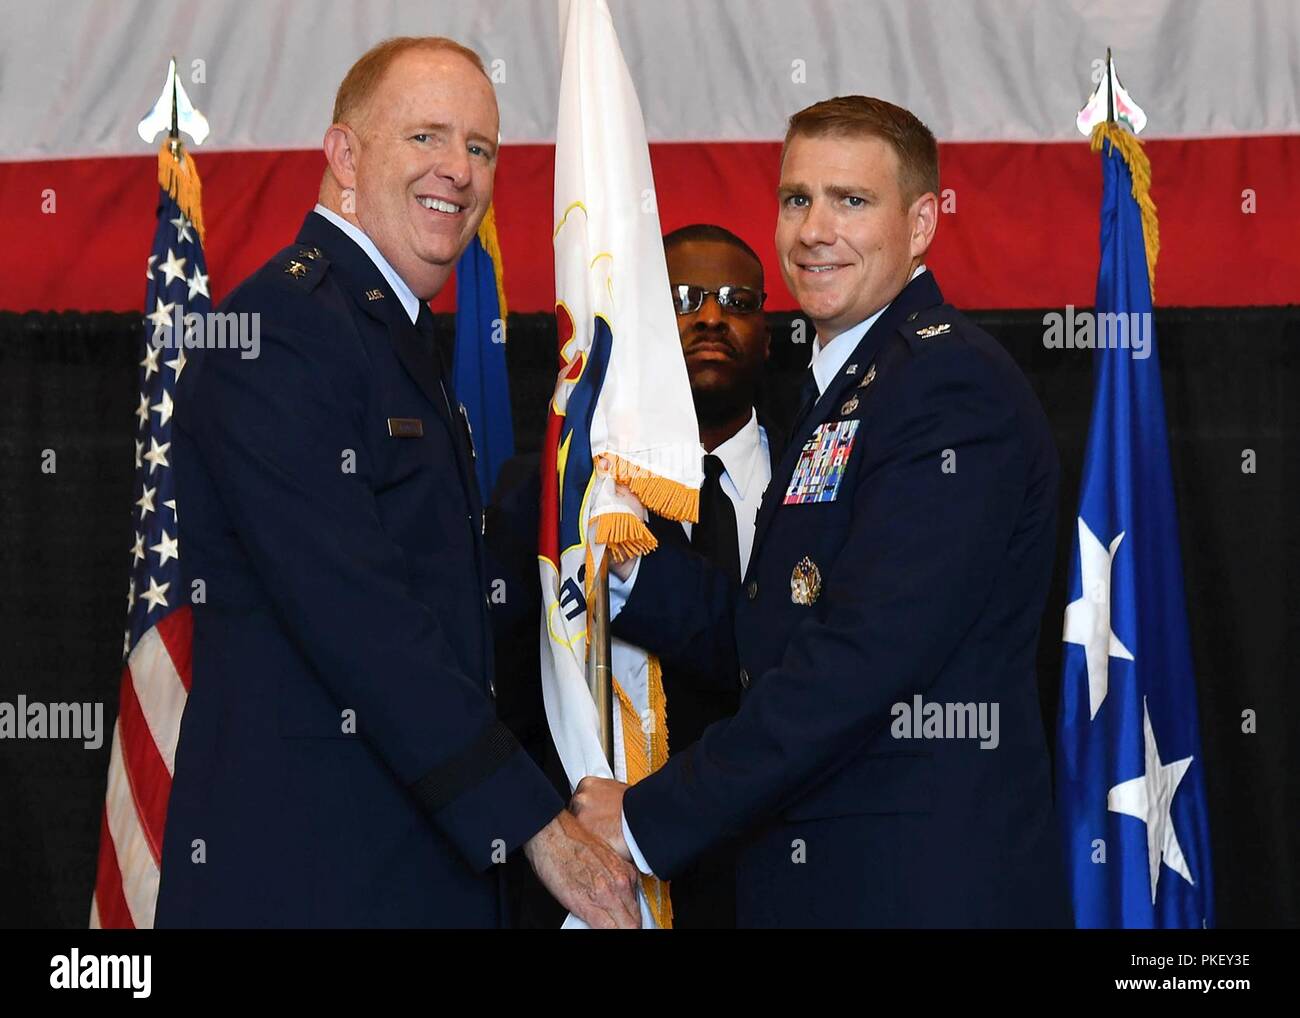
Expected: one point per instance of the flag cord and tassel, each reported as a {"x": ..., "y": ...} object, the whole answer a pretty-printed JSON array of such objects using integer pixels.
[
  {"x": 644, "y": 753},
  {"x": 179, "y": 177},
  {"x": 487, "y": 236},
  {"x": 625, "y": 535},
  {"x": 1139, "y": 168}
]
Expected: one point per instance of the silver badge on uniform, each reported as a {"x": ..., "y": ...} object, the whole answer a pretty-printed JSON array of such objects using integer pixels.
[{"x": 805, "y": 582}]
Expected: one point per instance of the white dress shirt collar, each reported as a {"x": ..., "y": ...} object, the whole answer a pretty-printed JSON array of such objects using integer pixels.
[
  {"x": 740, "y": 455},
  {"x": 410, "y": 302},
  {"x": 829, "y": 359}
]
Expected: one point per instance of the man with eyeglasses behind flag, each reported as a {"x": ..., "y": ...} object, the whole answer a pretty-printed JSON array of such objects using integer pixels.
[
  {"x": 717, "y": 286},
  {"x": 717, "y": 290}
]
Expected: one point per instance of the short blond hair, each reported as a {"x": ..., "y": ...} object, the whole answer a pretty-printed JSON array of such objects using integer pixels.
[
  {"x": 363, "y": 77},
  {"x": 858, "y": 116}
]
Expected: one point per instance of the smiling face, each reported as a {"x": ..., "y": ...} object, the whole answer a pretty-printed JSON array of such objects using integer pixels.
[
  {"x": 846, "y": 238},
  {"x": 422, "y": 163},
  {"x": 724, "y": 350}
]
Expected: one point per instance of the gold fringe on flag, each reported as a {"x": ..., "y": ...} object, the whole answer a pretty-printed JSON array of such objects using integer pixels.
[
  {"x": 1139, "y": 168},
  {"x": 670, "y": 499},
  {"x": 487, "y": 236},
  {"x": 624, "y": 536},
  {"x": 644, "y": 753},
  {"x": 179, "y": 177}
]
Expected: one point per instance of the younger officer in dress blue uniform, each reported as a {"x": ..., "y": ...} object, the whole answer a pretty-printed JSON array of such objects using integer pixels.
[{"x": 901, "y": 560}]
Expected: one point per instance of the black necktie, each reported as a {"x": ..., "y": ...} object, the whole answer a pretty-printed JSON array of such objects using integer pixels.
[{"x": 714, "y": 536}]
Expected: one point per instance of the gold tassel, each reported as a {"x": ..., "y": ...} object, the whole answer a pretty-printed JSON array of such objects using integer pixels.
[
  {"x": 642, "y": 757},
  {"x": 659, "y": 711},
  {"x": 487, "y": 236},
  {"x": 670, "y": 499},
  {"x": 179, "y": 177},
  {"x": 1139, "y": 168},
  {"x": 624, "y": 536}
]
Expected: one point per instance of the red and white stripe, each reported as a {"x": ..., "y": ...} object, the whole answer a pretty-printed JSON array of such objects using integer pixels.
[
  {"x": 155, "y": 687},
  {"x": 999, "y": 82}
]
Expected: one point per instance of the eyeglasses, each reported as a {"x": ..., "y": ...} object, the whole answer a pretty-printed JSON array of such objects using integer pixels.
[{"x": 737, "y": 299}]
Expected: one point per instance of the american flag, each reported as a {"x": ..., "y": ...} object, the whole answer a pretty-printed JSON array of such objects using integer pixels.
[{"x": 156, "y": 646}]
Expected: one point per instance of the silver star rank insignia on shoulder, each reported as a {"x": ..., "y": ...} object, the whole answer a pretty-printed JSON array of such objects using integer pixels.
[
  {"x": 805, "y": 582},
  {"x": 930, "y": 331}
]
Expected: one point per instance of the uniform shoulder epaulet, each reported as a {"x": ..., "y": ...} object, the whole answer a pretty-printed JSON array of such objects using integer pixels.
[
  {"x": 934, "y": 326},
  {"x": 302, "y": 265}
]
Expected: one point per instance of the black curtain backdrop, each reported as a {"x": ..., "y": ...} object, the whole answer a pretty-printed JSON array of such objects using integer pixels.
[{"x": 68, "y": 383}]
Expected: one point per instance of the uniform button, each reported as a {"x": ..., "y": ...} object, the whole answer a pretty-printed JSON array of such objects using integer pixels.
[
  {"x": 744, "y": 679},
  {"x": 492, "y": 688},
  {"x": 912, "y": 316},
  {"x": 752, "y": 589}
]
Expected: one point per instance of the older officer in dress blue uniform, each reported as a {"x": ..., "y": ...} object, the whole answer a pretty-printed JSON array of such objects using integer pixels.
[
  {"x": 901, "y": 560},
  {"x": 340, "y": 760}
]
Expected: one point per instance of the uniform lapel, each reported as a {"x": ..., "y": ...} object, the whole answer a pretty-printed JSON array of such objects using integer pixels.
[
  {"x": 775, "y": 442},
  {"x": 921, "y": 293},
  {"x": 372, "y": 294}
]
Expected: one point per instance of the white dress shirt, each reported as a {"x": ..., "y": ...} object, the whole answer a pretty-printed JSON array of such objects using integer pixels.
[{"x": 410, "y": 301}]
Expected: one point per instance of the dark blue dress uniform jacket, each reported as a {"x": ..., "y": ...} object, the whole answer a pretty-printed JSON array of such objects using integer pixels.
[
  {"x": 934, "y": 561},
  {"x": 340, "y": 761}
]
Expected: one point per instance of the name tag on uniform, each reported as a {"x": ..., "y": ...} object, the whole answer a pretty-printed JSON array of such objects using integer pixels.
[
  {"x": 405, "y": 427},
  {"x": 820, "y": 469}
]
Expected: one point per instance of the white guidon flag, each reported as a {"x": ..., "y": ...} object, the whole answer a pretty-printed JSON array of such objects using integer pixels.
[{"x": 621, "y": 432}]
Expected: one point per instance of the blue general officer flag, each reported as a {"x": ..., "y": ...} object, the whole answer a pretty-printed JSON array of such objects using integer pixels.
[
  {"x": 1130, "y": 774},
  {"x": 479, "y": 366}
]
